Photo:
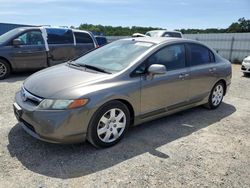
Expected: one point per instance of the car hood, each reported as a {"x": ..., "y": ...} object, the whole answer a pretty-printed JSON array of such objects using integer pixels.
[{"x": 52, "y": 82}]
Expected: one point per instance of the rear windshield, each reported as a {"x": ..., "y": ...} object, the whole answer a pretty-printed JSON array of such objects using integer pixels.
[
  {"x": 115, "y": 56},
  {"x": 152, "y": 33},
  {"x": 172, "y": 34},
  {"x": 6, "y": 36}
]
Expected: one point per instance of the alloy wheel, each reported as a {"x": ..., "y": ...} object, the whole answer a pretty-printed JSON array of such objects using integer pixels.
[
  {"x": 111, "y": 125},
  {"x": 217, "y": 95},
  {"x": 3, "y": 69}
]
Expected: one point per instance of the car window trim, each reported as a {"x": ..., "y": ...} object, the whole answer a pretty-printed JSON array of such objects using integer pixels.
[
  {"x": 133, "y": 74},
  {"x": 189, "y": 55}
]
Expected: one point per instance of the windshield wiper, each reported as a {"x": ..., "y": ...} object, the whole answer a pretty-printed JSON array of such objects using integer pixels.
[
  {"x": 94, "y": 68},
  {"x": 89, "y": 67},
  {"x": 74, "y": 64}
]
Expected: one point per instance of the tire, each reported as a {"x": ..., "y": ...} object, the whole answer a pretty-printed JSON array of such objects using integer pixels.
[
  {"x": 109, "y": 124},
  {"x": 216, "y": 96},
  {"x": 4, "y": 69},
  {"x": 246, "y": 74}
]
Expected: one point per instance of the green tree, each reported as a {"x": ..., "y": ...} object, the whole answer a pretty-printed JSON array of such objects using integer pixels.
[{"x": 242, "y": 25}]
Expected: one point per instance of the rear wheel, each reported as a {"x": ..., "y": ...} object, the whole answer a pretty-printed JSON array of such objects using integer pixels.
[
  {"x": 4, "y": 69},
  {"x": 216, "y": 96},
  {"x": 109, "y": 124}
]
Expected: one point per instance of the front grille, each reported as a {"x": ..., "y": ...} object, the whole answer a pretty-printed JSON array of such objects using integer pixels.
[
  {"x": 29, "y": 97},
  {"x": 34, "y": 102},
  {"x": 243, "y": 68}
]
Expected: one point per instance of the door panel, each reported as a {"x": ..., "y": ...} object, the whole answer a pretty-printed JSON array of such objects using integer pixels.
[
  {"x": 203, "y": 71},
  {"x": 61, "y": 45},
  {"x": 31, "y": 54},
  {"x": 202, "y": 79},
  {"x": 29, "y": 57},
  {"x": 164, "y": 91},
  {"x": 168, "y": 91},
  {"x": 59, "y": 53}
]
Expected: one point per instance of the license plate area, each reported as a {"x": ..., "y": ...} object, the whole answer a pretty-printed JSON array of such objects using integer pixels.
[{"x": 17, "y": 111}]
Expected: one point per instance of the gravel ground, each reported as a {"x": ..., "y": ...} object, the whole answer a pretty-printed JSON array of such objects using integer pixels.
[{"x": 197, "y": 147}]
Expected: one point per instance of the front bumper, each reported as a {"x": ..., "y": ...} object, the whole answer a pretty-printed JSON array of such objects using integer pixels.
[
  {"x": 245, "y": 67},
  {"x": 55, "y": 126}
]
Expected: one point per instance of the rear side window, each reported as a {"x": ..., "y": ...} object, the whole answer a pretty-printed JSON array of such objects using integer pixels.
[
  {"x": 82, "y": 38},
  {"x": 173, "y": 57},
  {"x": 60, "y": 36},
  {"x": 199, "y": 55}
]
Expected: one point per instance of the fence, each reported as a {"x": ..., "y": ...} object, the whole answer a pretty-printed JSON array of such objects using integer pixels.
[{"x": 232, "y": 46}]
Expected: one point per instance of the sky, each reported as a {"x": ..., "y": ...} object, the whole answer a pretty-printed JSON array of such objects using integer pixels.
[{"x": 167, "y": 14}]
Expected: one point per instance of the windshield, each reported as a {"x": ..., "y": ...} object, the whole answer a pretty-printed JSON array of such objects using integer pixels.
[
  {"x": 115, "y": 56},
  {"x": 6, "y": 36}
]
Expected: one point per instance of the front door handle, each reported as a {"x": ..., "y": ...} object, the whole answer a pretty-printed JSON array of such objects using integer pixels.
[
  {"x": 183, "y": 76},
  {"x": 212, "y": 69}
]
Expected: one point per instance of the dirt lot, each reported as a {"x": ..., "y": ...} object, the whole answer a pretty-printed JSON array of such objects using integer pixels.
[{"x": 194, "y": 148}]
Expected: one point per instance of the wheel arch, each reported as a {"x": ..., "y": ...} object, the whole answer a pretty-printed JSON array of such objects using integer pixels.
[
  {"x": 5, "y": 59},
  {"x": 130, "y": 108}
]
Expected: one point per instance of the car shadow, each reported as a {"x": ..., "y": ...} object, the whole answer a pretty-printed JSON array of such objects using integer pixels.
[
  {"x": 70, "y": 161},
  {"x": 19, "y": 76}
]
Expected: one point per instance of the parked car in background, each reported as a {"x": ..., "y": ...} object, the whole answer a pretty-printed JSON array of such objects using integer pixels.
[
  {"x": 32, "y": 48},
  {"x": 101, "y": 40},
  {"x": 164, "y": 33},
  {"x": 160, "y": 33},
  {"x": 245, "y": 67},
  {"x": 126, "y": 82},
  {"x": 139, "y": 35}
]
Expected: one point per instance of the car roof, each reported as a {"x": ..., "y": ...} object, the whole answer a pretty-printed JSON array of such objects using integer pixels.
[
  {"x": 158, "y": 40},
  {"x": 162, "y": 30}
]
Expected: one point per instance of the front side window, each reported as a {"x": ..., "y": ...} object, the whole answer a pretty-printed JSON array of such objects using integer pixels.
[
  {"x": 60, "y": 36},
  {"x": 8, "y": 35},
  {"x": 173, "y": 57},
  {"x": 115, "y": 56},
  {"x": 31, "y": 38},
  {"x": 199, "y": 55},
  {"x": 82, "y": 38}
]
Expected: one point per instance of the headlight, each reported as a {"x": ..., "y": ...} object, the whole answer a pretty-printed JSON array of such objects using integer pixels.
[{"x": 49, "y": 104}]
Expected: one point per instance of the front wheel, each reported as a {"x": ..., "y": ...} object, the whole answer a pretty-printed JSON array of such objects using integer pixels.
[
  {"x": 246, "y": 74},
  {"x": 4, "y": 69},
  {"x": 109, "y": 124},
  {"x": 216, "y": 96}
]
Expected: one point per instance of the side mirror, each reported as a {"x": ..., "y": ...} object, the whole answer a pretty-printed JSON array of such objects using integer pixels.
[
  {"x": 157, "y": 69},
  {"x": 17, "y": 42}
]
